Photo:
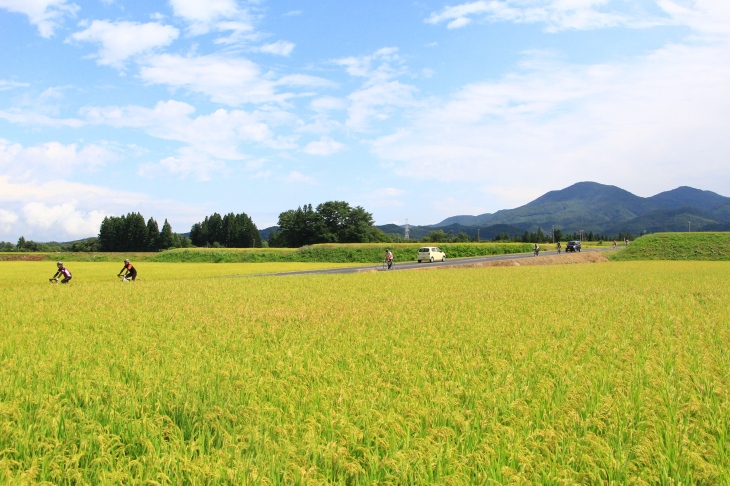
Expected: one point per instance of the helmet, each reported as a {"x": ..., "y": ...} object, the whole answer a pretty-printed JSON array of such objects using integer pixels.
[
  {"x": 126, "y": 260},
  {"x": 59, "y": 263}
]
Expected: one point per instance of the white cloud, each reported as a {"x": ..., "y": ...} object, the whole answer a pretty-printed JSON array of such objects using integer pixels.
[
  {"x": 46, "y": 15},
  {"x": 61, "y": 209},
  {"x": 217, "y": 134},
  {"x": 51, "y": 158},
  {"x": 295, "y": 177},
  {"x": 279, "y": 48},
  {"x": 325, "y": 146},
  {"x": 380, "y": 94},
  {"x": 555, "y": 14},
  {"x": 22, "y": 117},
  {"x": 7, "y": 220},
  {"x": 231, "y": 81},
  {"x": 64, "y": 218},
  {"x": 122, "y": 40},
  {"x": 209, "y": 140},
  {"x": 6, "y": 85},
  {"x": 214, "y": 15},
  {"x": 389, "y": 192},
  {"x": 638, "y": 124}
]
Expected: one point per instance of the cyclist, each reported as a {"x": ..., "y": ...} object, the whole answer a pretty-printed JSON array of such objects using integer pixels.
[
  {"x": 389, "y": 258},
  {"x": 536, "y": 249},
  {"x": 614, "y": 244},
  {"x": 62, "y": 271},
  {"x": 131, "y": 271},
  {"x": 559, "y": 247}
]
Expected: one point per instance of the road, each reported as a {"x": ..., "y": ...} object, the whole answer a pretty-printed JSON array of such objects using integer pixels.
[{"x": 412, "y": 265}]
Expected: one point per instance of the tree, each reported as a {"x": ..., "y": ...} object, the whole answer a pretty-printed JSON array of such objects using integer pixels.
[
  {"x": 167, "y": 239},
  {"x": 331, "y": 222},
  {"x": 153, "y": 235},
  {"x": 231, "y": 231}
]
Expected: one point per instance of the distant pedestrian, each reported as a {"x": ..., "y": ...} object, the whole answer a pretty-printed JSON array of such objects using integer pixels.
[
  {"x": 626, "y": 242},
  {"x": 131, "y": 271},
  {"x": 614, "y": 244},
  {"x": 62, "y": 271},
  {"x": 536, "y": 249},
  {"x": 559, "y": 247}
]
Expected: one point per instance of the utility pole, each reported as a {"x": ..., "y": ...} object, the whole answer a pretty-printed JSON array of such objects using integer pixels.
[
  {"x": 407, "y": 234},
  {"x": 477, "y": 235},
  {"x": 553, "y": 233},
  {"x": 689, "y": 226}
]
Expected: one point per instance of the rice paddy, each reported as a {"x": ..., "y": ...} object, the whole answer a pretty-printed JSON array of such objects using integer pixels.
[{"x": 578, "y": 374}]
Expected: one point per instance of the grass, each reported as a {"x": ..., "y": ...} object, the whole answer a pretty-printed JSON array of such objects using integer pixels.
[
  {"x": 467, "y": 376},
  {"x": 678, "y": 246}
]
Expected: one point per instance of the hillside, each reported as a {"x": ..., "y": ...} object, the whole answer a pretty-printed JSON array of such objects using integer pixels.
[
  {"x": 677, "y": 246},
  {"x": 667, "y": 220},
  {"x": 591, "y": 206}
]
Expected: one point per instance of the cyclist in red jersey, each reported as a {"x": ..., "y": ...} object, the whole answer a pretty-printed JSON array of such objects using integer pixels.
[{"x": 62, "y": 271}]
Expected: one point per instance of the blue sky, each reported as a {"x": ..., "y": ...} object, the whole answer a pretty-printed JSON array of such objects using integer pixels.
[{"x": 415, "y": 110}]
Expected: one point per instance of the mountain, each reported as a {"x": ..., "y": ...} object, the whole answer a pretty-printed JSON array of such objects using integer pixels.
[
  {"x": 680, "y": 219},
  {"x": 600, "y": 208}
]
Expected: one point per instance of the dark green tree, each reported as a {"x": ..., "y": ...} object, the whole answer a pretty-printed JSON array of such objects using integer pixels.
[
  {"x": 153, "y": 235},
  {"x": 167, "y": 238}
]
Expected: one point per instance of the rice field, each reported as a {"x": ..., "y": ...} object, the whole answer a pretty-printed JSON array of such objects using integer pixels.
[{"x": 608, "y": 373}]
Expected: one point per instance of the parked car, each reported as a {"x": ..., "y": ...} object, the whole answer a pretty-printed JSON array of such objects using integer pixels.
[
  {"x": 572, "y": 246},
  {"x": 430, "y": 254}
]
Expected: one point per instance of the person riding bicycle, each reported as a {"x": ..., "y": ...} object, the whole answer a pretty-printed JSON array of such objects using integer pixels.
[
  {"x": 131, "y": 271},
  {"x": 389, "y": 258},
  {"x": 536, "y": 249},
  {"x": 559, "y": 247},
  {"x": 62, "y": 271}
]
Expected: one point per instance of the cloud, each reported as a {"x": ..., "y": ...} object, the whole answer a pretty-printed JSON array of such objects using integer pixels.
[
  {"x": 209, "y": 141},
  {"x": 217, "y": 134},
  {"x": 64, "y": 218},
  {"x": 230, "y": 81},
  {"x": 6, "y": 85},
  {"x": 636, "y": 123},
  {"x": 7, "y": 220},
  {"x": 381, "y": 94},
  {"x": 213, "y": 15},
  {"x": 122, "y": 40},
  {"x": 325, "y": 146},
  {"x": 52, "y": 158},
  {"x": 557, "y": 15},
  {"x": 46, "y": 15},
  {"x": 279, "y": 48},
  {"x": 295, "y": 177},
  {"x": 61, "y": 209}
]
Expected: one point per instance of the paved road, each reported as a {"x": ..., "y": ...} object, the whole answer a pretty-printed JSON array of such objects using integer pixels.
[{"x": 411, "y": 265}]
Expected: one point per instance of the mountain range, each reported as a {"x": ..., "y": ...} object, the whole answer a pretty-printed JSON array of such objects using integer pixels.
[{"x": 597, "y": 208}]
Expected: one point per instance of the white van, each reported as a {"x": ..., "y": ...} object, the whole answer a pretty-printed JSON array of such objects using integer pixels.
[{"x": 430, "y": 254}]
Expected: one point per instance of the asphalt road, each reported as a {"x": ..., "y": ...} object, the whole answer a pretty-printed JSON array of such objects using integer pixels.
[{"x": 411, "y": 265}]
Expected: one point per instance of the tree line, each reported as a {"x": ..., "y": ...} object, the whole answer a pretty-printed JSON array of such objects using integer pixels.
[
  {"x": 329, "y": 222},
  {"x": 131, "y": 233},
  {"x": 229, "y": 231}
]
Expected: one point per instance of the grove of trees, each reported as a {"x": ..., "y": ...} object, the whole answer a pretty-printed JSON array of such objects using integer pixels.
[
  {"x": 329, "y": 222},
  {"x": 229, "y": 231},
  {"x": 131, "y": 233}
]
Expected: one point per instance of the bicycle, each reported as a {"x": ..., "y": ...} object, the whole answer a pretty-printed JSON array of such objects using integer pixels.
[{"x": 387, "y": 265}]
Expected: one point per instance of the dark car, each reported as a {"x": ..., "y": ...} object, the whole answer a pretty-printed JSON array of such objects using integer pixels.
[{"x": 572, "y": 246}]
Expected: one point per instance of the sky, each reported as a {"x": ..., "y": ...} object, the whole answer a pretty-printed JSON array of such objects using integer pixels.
[{"x": 414, "y": 110}]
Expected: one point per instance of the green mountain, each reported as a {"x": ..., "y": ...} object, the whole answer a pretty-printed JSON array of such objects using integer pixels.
[
  {"x": 666, "y": 220},
  {"x": 600, "y": 208}
]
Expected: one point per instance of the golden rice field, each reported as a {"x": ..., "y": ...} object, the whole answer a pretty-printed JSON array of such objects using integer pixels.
[{"x": 609, "y": 373}]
